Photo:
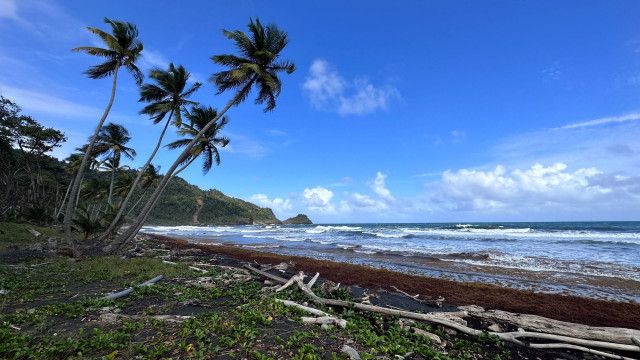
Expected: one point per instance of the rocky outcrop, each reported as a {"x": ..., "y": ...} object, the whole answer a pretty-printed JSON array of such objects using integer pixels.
[{"x": 300, "y": 219}]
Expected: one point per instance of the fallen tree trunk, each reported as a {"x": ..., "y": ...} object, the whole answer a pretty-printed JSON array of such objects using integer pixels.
[{"x": 541, "y": 324}]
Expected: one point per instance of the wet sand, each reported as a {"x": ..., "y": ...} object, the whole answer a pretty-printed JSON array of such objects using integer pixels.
[{"x": 562, "y": 307}]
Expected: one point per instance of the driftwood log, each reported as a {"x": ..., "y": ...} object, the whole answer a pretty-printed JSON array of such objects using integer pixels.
[
  {"x": 128, "y": 291},
  {"x": 556, "y": 327},
  {"x": 576, "y": 342}
]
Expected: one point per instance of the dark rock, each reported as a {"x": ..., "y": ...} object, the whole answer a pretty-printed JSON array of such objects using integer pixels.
[{"x": 300, "y": 219}]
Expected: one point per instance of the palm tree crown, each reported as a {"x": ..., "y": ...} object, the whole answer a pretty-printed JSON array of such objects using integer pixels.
[
  {"x": 258, "y": 64},
  {"x": 208, "y": 143},
  {"x": 168, "y": 94},
  {"x": 122, "y": 49},
  {"x": 112, "y": 142}
]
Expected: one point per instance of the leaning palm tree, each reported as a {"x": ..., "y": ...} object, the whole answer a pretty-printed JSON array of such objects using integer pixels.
[
  {"x": 257, "y": 65},
  {"x": 122, "y": 50},
  {"x": 207, "y": 144},
  {"x": 112, "y": 144},
  {"x": 150, "y": 177},
  {"x": 167, "y": 99}
]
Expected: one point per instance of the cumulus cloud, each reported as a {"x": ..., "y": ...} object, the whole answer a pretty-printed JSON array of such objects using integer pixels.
[
  {"x": 278, "y": 205},
  {"x": 357, "y": 201},
  {"x": 380, "y": 188},
  {"x": 319, "y": 199},
  {"x": 536, "y": 187},
  {"x": 328, "y": 90}
]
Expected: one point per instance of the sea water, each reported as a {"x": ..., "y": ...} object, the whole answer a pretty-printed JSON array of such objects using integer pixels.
[{"x": 596, "y": 259}]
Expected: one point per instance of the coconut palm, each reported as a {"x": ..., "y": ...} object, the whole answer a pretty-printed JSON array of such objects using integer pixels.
[
  {"x": 167, "y": 98},
  {"x": 208, "y": 143},
  {"x": 122, "y": 49},
  {"x": 150, "y": 177},
  {"x": 112, "y": 144},
  {"x": 257, "y": 65}
]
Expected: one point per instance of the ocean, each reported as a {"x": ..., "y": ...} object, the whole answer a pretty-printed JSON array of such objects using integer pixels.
[{"x": 593, "y": 259}]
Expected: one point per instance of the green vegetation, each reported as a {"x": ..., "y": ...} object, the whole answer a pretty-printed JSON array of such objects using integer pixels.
[{"x": 52, "y": 308}]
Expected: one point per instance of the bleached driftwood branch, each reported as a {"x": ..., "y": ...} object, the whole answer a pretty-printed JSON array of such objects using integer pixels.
[
  {"x": 541, "y": 324},
  {"x": 313, "y": 280},
  {"x": 128, "y": 291},
  {"x": 574, "y": 343}
]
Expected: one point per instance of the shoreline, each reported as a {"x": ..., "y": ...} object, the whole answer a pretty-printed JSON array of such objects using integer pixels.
[{"x": 569, "y": 308}]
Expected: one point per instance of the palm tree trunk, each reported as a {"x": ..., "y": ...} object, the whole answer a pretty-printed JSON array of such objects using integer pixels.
[
  {"x": 113, "y": 177},
  {"x": 116, "y": 219},
  {"x": 135, "y": 227},
  {"x": 64, "y": 199},
  {"x": 155, "y": 201},
  {"x": 70, "y": 211}
]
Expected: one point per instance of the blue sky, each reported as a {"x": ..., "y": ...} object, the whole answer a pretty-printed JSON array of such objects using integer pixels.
[{"x": 411, "y": 112}]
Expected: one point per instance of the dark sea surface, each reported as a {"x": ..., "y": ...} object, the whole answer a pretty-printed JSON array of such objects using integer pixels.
[{"x": 594, "y": 259}]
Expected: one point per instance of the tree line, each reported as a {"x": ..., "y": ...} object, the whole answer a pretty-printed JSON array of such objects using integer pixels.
[{"x": 96, "y": 206}]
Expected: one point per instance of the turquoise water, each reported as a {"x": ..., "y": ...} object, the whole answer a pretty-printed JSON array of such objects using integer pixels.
[{"x": 583, "y": 258}]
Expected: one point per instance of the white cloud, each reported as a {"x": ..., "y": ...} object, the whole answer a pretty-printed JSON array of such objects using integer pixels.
[
  {"x": 246, "y": 146},
  {"x": 634, "y": 116},
  {"x": 319, "y": 199},
  {"x": 323, "y": 84},
  {"x": 38, "y": 102},
  {"x": 278, "y": 205},
  {"x": 152, "y": 59},
  {"x": 367, "y": 98},
  {"x": 357, "y": 201},
  {"x": 380, "y": 188},
  {"x": 43, "y": 18},
  {"x": 328, "y": 90},
  {"x": 531, "y": 189}
]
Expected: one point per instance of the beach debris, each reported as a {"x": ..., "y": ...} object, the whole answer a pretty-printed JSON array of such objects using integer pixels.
[
  {"x": 4, "y": 292},
  {"x": 322, "y": 318},
  {"x": 495, "y": 328},
  {"x": 169, "y": 262},
  {"x": 282, "y": 267},
  {"x": 291, "y": 281},
  {"x": 204, "y": 282},
  {"x": 128, "y": 291},
  {"x": 325, "y": 320},
  {"x": 198, "y": 269},
  {"x": 114, "y": 318},
  {"x": 433, "y": 337},
  {"x": 577, "y": 342},
  {"x": 351, "y": 352},
  {"x": 436, "y": 302},
  {"x": 313, "y": 280},
  {"x": 34, "y": 232},
  {"x": 535, "y": 323}
]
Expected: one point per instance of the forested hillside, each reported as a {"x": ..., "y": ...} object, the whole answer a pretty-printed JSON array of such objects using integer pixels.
[{"x": 179, "y": 203}]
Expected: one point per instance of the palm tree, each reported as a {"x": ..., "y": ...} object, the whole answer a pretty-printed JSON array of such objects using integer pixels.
[
  {"x": 112, "y": 143},
  {"x": 208, "y": 142},
  {"x": 122, "y": 50},
  {"x": 150, "y": 176},
  {"x": 258, "y": 65},
  {"x": 166, "y": 96}
]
